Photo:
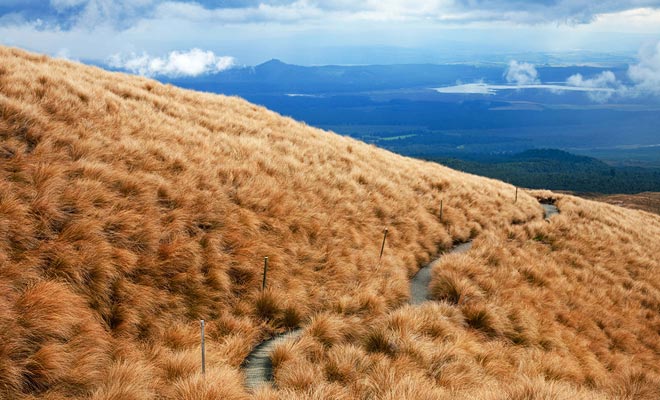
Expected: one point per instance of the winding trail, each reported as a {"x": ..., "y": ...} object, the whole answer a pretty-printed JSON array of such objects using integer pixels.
[
  {"x": 419, "y": 285},
  {"x": 549, "y": 210},
  {"x": 258, "y": 366}
]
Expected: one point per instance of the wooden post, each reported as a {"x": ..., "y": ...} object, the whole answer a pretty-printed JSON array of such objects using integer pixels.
[
  {"x": 440, "y": 210},
  {"x": 203, "y": 350},
  {"x": 382, "y": 248},
  {"x": 263, "y": 284},
  {"x": 516, "y": 195}
]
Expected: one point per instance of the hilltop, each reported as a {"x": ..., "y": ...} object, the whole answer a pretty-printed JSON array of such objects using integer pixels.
[{"x": 129, "y": 210}]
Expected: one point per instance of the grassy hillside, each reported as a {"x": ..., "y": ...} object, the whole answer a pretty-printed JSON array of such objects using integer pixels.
[
  {"x": 129, "y": 210},
  {"x": 562, "y": 310}
]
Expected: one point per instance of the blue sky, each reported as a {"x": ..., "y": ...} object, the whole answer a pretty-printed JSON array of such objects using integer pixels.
[{"x": 178, "y": 36}]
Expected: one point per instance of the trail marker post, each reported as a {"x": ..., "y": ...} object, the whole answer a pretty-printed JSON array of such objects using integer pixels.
[
  {"x": 263, "y": 284},
  {"x": 382, "y": 248},
  {"x": 203, "y": 349},
  {"x": 440, "y": 210}
]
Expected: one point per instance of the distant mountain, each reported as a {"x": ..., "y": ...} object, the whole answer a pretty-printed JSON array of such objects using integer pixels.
[{"x": 276, "y": 76}]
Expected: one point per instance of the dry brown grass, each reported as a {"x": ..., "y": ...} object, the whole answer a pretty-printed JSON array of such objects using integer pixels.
[
  {"x": 130, "y": 209},
  {"x": 560, "y": 310},
  {"x": 646, "y": 201}
]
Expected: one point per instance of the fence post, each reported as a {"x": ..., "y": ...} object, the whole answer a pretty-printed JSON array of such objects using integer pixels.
[
  {"x": 203, "y": 349},
  {"x": 263, "y": 284},
  {"x": 382, "y": 248},
  {"x": 516, "y": 195},
  {"x": 440, "y": 210}
]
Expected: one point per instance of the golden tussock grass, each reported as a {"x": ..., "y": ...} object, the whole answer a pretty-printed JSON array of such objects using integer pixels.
[
  {"x": 562, "y": 309},
  {"x": 129, "y": 210}
]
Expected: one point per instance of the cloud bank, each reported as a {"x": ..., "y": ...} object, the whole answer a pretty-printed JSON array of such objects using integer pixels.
[
  {"x": 194, "y": 62},
  {"x": 311, "y": 31},
  {"x": 604, "y": 80},
  {"x": 336, "y": 31},
  {"x": 646, "y": 73},
  {"x": 69, "y": 13},
  {"x": 644, "y": 77}
]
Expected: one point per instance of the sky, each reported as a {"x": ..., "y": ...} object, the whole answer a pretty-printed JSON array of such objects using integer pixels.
[{"x": 180, "y": 37}]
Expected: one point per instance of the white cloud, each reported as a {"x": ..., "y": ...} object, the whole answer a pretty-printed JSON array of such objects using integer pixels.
[
  {"x": 645, "y": 77},
  {"x": 521, "y": 73},
  {"x": 646, "y": 74},
  {"x": 604, "y": 80},
  {"x": 282, "y": 13},
  {"x": 569, "y": 12},
  {"x": 89, "y": 14},
  {"x": 300, "y": 31},
  {"x": 194, "y": 62}
]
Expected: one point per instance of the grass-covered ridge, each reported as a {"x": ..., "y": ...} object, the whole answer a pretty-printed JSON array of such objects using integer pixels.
[{"x": 129, "y": 210}]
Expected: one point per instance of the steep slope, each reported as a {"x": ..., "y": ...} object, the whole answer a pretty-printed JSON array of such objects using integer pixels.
[{"x": 130, "y": 209}]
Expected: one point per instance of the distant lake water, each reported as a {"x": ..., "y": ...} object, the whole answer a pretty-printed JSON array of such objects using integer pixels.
[{"x": 489, "y": 89}]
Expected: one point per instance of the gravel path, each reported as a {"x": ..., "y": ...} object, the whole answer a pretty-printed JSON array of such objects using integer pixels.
[
  {"x": 419, "y": 285},
  {"x": 550, "y": 210},
  {"x": 258, "y": 366}
]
